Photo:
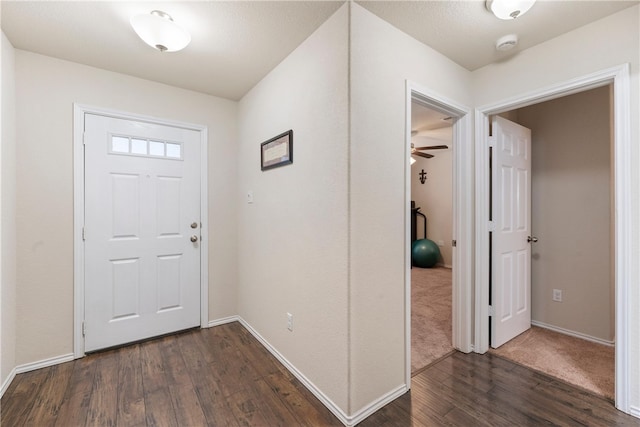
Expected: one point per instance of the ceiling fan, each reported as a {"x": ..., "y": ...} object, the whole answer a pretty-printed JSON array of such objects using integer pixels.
[{"x": 417, "y": 150}]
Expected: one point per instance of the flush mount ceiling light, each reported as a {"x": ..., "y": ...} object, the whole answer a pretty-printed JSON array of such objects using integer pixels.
[
  {"x": 158, "y": 30},
  {"x": 509, "y": 9}
]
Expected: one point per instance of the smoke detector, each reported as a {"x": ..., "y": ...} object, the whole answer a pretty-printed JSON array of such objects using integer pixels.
[{"x": 507, "y": 42}]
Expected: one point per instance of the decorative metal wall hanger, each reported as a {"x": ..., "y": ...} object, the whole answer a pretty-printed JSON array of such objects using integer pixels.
[{"x": 423, "y": 176}]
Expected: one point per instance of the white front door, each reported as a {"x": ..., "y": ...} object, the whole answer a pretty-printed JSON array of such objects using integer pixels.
[
  {"x": 142, "y": 230},
  {"x": 511, "y": 216}
]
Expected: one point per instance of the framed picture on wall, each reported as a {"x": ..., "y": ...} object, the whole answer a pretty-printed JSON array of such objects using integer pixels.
[{"x": 278, "y": 151}]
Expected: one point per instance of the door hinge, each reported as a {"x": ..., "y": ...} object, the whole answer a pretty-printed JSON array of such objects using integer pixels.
[
  {"x": 491, "y": 311},
  {"x": 83, "y": 238},
  {"x": 491, "y": 141},
  {"x": 84, "y": 329},
  {"x": 492, "y": 226},
  {"x": 454, "y": 243}
]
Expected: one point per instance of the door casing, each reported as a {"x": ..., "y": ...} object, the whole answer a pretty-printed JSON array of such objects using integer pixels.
[
  {"x": 462, "y": 271},
  {"x": 79, "y": 112},
  {"x": 624, "y": 275}
]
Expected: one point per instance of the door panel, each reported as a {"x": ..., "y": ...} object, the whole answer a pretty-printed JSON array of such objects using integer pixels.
[
  {"x": 142, "y": 271},
  {"x": 511, "y": 256}
]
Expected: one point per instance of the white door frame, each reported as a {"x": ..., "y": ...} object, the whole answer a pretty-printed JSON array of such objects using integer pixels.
[
  {"x": 624, "y": 274},
  {"x": 462, "y": 262},
  {"x": 79, "y": 112}
]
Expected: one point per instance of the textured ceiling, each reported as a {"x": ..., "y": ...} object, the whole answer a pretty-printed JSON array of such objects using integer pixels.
[
  {"x": 236, "y": 43},
  {"x": 466, "y": 32}
]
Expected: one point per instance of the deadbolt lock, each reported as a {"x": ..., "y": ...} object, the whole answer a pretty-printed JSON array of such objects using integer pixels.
[{"x": 194, "y": 225}]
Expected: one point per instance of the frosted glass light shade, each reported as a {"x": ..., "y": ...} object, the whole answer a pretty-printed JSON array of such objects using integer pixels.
[
  {"x": 411, "y": 161},
  {"x": 509, "y": 9},
  {"x": 158, "y": 30}
]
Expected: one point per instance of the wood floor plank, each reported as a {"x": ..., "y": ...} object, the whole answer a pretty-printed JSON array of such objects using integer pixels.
[
  {"x": 131, "y": 406},
  {"x": 103, "y": 403},
  {"x": 75, "y": 405},
  {"x": 582, "y": 406},
  {"x": 50, "y": 396},
  {"x": 304, "y": 406},
  {"x": 186, "y": 404},
  {"x": 158, "y": 405},
  {"x": 17, "y": 405},
  {"x": 462, "y": 396},
  {"x": 245, "y": 409},
  {"x": 215, "y": 408}
]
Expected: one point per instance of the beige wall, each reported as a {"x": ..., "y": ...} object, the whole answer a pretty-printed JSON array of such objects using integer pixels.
[
  {"x": 605, "y": 43},
  {"x": 571, "y": 200},
  {"x": 382, "y": 59},
  {"x": 434, "y": 197},
  {"x": 7, "y": 214},
  {"x": 293, "y": 239},
  {"x": 46, "y": 89}
]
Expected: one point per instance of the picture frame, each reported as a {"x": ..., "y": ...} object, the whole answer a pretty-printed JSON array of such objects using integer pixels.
[{"x": 277, "y": 151}]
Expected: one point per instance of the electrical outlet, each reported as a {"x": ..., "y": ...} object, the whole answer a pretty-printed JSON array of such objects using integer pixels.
[
  {"x": 557, "y": 295},
  {"x": 290, "y": 322},
  {"x": 250, "y": 196}
]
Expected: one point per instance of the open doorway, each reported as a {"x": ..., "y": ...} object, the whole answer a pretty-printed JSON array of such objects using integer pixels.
[
  {"x": 572, "y": 282},
  {"x": 622, "y": 235},
  {"x": 462, "y": 204},
  {"x": 431, "y": 235}
]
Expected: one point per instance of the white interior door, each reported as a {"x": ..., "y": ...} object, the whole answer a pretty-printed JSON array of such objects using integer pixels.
[
  {"x": 142, "y": 230},
  {"x": 511, "y": 216}
]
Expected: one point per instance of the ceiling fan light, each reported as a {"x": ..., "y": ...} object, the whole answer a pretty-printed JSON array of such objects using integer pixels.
[
  {"x": 412, "y": 160},
  {"x": 509, "y": 9},
  {"x": 158, "y": 30}
]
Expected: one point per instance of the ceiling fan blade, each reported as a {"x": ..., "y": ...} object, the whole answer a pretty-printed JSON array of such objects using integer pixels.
[
  {"x": 433, "y": 147},
  {"x": 425, "y": 155}
]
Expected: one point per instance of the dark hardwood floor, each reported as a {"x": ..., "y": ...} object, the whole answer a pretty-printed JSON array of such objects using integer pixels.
[{"x": 222, "y": 376}]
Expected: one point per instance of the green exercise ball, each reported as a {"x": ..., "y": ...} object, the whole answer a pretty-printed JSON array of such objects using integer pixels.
[{"x": 425, "y": 253}]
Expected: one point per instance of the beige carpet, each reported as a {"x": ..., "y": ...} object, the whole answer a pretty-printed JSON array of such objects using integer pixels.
[
  {"x": 430, "y": 315},
  {"x": 576, "y": 361}
]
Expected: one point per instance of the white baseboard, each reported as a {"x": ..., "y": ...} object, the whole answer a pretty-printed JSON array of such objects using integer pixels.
[
  {"x": 635, "y": 411},
  {"x": 376, "y": 404},
  {"x": 344, "y": 418},
  {"x": 572, "y": 333},
  {"x": 7, "y": 382},
  {"x": 44, "y": 363},
  {"x": 326, "y": 401},
  {"x": 223, "y": 321},
  {"x": 20, "y": 369}
]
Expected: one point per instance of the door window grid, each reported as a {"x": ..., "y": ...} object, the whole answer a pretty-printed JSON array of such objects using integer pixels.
[{"x": 125, "y": 145}]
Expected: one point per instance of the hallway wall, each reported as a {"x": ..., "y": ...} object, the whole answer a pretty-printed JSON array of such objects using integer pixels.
[
  {"x": 46, "y": 89},
  {"x": 571, "y": 212}
]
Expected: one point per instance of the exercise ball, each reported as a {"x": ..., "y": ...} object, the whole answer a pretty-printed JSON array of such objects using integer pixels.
[{"x": 425, "y": 253}]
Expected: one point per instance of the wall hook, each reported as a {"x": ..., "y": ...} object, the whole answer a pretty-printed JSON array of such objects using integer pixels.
[{"x": 423, "y": 176}]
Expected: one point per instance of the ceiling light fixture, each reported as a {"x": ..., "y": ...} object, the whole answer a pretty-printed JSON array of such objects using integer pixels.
[
  {"x": 412, "y": 160},
  {"x": 158, "y": 30},
  {"x": 509, "y": 9}
]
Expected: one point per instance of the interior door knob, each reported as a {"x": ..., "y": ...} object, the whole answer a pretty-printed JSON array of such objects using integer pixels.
[
  {"x": 194, "y": 238},
  {"x": 532, "y": 239}
]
